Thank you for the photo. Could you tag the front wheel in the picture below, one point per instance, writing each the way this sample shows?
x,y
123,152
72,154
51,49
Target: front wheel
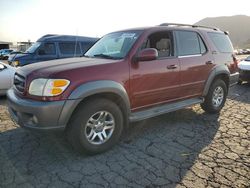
x,y
96,126
216,97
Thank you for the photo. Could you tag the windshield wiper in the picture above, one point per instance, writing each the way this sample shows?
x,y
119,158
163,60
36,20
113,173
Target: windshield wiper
x,y
105,56
83,55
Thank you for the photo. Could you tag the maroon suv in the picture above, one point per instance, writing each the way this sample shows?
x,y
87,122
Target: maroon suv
x,y
126,76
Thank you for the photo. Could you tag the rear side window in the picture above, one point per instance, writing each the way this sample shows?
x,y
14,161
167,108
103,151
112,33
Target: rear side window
x,y
189,43
221,42
69,48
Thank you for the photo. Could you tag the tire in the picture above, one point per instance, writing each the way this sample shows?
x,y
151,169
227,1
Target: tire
x,y
216,97
240,81
93,118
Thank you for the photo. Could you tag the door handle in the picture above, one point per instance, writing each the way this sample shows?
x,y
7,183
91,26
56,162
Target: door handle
x,y
172,66
209,62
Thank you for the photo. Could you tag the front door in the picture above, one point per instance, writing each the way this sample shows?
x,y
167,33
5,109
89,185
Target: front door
x,y
157,81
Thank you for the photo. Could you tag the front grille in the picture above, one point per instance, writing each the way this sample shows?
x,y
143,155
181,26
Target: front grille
x,y
19,82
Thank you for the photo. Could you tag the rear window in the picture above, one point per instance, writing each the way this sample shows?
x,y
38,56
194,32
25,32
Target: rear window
x,y
69,48
221,42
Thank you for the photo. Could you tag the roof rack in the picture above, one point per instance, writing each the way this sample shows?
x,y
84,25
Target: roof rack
x,y
189,25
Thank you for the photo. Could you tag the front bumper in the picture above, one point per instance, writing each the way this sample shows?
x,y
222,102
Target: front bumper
x,y
244,75
37,114
234,78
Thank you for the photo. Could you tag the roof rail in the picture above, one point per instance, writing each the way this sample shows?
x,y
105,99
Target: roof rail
x,y
189,25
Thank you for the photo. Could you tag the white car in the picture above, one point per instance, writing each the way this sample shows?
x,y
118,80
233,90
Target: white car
x,y
7,73
244,70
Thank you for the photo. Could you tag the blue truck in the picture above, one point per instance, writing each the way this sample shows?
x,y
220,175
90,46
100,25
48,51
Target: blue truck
x,y
51,47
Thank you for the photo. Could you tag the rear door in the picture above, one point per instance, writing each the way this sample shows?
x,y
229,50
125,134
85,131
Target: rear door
x,y
195,62
157,81
69,49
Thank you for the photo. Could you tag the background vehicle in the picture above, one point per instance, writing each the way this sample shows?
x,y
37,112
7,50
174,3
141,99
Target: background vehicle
x,y
244,70
51,47
4,53
126,76
6,77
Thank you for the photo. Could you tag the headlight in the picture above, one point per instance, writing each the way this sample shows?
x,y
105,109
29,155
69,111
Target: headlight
x,y
48,87
15,63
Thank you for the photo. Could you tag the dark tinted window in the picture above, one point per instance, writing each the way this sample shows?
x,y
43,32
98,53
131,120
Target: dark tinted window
x,y
189,43
86,46
221,42
69,48
47,49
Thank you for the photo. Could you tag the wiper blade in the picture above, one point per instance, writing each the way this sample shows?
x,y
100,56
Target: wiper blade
x,y
84,55
105,56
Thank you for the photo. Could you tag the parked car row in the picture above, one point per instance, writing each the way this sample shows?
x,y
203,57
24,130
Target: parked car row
x,y
4,53
242,51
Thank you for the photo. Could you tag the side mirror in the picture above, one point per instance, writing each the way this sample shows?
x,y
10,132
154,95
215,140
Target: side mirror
x,y
147,54
2,67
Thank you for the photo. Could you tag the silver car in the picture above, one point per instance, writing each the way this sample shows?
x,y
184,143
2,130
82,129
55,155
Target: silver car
x,y
6,77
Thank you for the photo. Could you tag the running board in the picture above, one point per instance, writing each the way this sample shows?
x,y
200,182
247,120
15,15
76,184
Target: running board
x,y
156,111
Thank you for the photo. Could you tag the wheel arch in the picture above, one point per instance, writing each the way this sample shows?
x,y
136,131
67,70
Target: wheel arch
x,y
219,72
110,90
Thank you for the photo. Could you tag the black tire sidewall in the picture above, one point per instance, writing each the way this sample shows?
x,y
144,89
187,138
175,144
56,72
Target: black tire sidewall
x,y
80,118
208,104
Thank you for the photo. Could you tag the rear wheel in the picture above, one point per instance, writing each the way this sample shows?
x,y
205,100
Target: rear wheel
x,y
96,126
216,97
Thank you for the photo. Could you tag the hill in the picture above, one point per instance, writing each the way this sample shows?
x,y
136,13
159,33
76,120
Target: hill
x,y
238,27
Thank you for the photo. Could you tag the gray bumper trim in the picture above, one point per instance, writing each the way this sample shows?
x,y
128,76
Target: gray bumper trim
x,y
234,78
35,114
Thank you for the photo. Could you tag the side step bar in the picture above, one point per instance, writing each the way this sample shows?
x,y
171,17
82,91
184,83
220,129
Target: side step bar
x,y
162,109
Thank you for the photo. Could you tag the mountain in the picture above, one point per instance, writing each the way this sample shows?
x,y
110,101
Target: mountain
x,y
238,27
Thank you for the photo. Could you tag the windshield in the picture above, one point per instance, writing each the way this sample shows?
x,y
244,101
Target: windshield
x,y
113,45
33,48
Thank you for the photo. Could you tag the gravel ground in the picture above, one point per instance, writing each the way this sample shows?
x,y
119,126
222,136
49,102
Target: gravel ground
x,y
187,148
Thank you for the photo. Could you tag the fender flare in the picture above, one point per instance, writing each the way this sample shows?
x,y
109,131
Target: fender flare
x,y
89,89
217,70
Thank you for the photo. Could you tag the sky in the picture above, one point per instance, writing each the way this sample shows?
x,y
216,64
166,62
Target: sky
x,y
23,20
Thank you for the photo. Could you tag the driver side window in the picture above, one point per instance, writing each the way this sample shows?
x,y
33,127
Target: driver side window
x,y
162,42
47,49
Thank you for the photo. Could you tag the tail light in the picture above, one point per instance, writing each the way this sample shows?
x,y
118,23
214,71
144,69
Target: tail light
x,y
234,64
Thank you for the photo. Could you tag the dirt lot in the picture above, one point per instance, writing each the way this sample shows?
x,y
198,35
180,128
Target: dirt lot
x,y
187,148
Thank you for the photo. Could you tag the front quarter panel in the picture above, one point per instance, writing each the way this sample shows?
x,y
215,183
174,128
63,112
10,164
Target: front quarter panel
x,y
90,89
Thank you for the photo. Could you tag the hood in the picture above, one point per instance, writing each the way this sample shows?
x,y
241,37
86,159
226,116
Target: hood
x,y
19,56
46,68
